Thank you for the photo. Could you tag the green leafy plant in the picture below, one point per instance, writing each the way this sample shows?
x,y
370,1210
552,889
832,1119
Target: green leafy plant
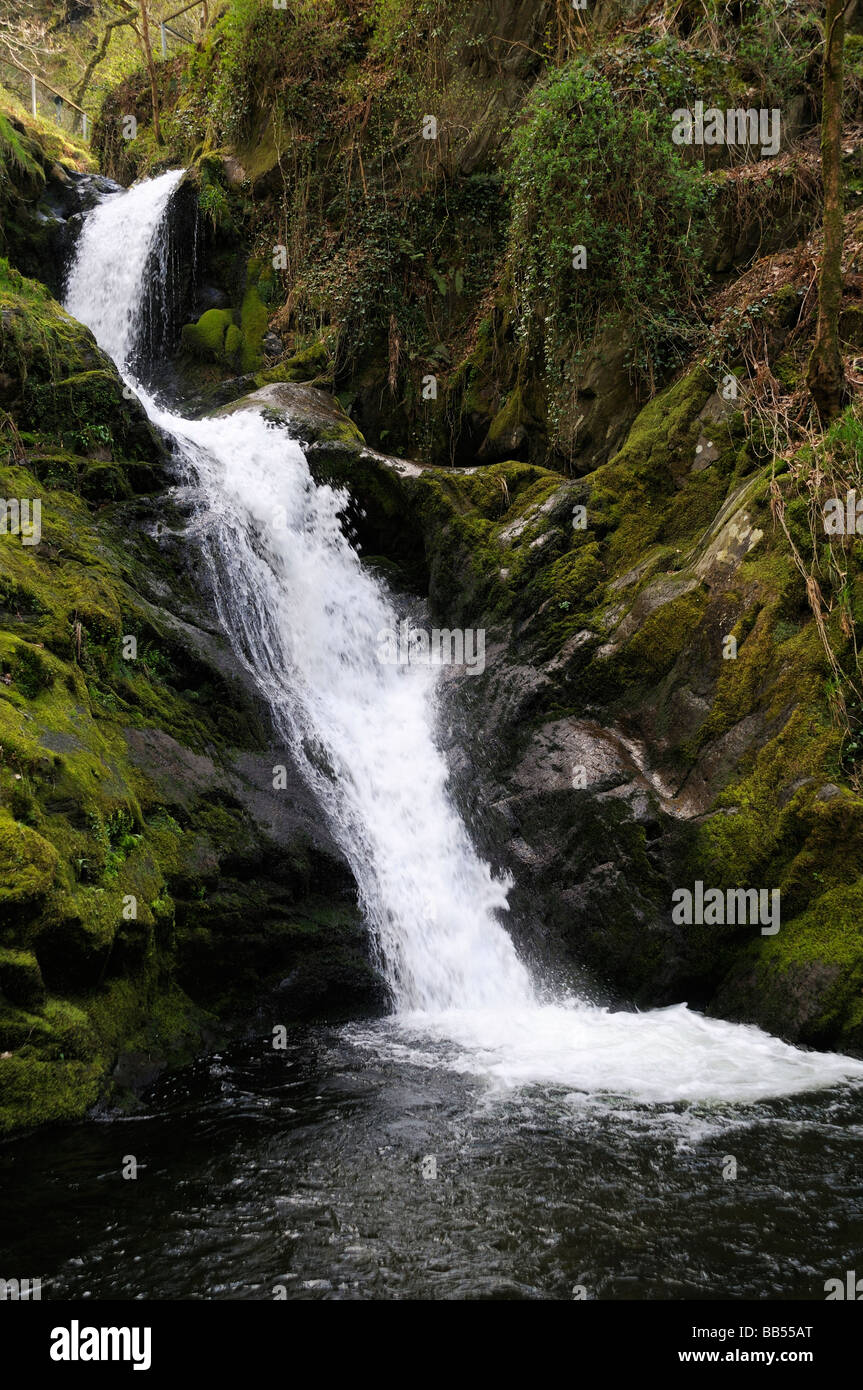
x,y
596,170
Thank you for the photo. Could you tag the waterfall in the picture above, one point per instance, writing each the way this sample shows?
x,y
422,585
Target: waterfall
x,y
304,616
107,286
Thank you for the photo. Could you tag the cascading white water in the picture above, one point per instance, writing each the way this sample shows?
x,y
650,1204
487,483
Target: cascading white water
x,y
304,616
107,281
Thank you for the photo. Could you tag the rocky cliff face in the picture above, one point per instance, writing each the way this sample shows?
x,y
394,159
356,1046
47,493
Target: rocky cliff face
x,y
153,883
615,755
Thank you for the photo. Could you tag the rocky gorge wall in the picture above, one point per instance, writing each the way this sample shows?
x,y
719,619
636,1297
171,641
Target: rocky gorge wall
x,y
588,489
153,884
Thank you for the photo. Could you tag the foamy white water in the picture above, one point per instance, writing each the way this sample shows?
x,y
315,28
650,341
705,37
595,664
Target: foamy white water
x,y
304,616
106,283
662,1055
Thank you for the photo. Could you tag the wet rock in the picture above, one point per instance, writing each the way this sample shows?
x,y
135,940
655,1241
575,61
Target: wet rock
x,y
209,297
310,414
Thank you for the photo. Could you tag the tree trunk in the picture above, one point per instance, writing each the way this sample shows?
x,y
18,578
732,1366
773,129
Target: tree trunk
x,y
825,374
151,68
100,54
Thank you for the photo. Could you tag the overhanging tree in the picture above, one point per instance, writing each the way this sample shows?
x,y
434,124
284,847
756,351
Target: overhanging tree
x,y
128,17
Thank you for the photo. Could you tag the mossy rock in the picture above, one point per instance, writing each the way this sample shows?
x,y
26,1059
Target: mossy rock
x,y
34,154
35,1092
233,341
56,380
21,979
309,364
806,982
521,416
206,339
218,338
28,866
253,326
307,412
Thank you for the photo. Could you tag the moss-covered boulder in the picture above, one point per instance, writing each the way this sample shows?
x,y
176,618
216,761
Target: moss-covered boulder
x,y
207,339
21,979
28,866
56,381
44,177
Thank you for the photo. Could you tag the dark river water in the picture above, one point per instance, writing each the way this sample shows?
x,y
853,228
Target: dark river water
x,y
328,1171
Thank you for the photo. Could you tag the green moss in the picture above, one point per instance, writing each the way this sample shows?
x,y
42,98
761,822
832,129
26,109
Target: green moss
x,y
253,326
343,431
54,379
808,978
49,143
61,1058
205,339
34,1092
566,586
30,671
233,341
514,415
260,157
28,865
660,639
21,979
637,491
216,337
307,365
740,687
29,149
20,159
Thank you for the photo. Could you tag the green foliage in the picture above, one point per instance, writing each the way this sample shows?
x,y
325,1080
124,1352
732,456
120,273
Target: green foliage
x,y
215,205
262,49
592,169
397,25
19,162
89,436
771,42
